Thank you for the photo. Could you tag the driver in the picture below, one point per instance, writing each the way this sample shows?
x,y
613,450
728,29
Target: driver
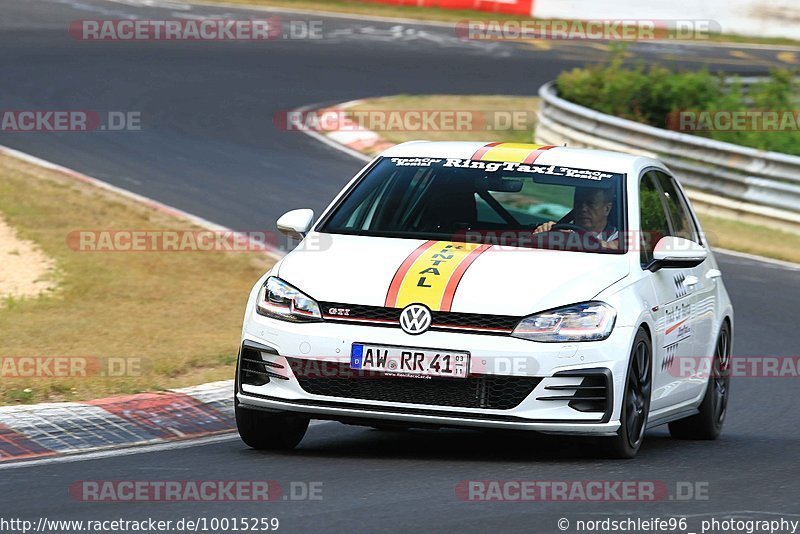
x,y
591,206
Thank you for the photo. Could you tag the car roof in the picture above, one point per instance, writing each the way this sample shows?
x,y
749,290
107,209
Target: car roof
x,y
582,158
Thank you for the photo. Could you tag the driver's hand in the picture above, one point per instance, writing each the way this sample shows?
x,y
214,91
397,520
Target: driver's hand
x,y
545,227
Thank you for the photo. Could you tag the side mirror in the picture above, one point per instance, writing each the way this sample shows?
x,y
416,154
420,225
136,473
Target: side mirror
x,y
296,223
676,252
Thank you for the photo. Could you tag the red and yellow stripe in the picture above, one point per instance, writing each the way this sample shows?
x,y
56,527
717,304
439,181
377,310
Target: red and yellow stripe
x,y
511,152
430,275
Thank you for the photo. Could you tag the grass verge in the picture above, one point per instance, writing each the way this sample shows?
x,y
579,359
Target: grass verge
x,y
433,14
722,233
171,319
751,238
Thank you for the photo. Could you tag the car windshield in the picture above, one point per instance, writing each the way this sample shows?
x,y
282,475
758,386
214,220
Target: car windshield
x,y
499,203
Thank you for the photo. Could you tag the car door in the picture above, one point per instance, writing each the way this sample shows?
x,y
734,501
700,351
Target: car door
x,y
673,338
702,283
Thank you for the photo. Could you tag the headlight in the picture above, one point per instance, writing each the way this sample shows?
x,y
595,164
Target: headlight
x,y
280,300
589,321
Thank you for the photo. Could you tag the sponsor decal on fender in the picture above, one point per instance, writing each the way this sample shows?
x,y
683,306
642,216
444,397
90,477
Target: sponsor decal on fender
x,y
430,275
677,329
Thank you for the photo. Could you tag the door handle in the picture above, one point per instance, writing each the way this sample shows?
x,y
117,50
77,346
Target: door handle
x,y
713,274
690,281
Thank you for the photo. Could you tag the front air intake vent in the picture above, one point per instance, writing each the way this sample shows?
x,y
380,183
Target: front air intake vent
x,y
594,394
255,367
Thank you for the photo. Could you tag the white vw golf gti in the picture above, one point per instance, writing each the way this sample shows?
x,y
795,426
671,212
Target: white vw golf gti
x,y
502,286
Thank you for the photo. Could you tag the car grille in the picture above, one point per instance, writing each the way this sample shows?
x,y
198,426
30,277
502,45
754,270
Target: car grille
x,y
486,391
443,321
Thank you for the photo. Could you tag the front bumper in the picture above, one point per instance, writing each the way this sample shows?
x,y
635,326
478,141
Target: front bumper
x,y
366,416
553,373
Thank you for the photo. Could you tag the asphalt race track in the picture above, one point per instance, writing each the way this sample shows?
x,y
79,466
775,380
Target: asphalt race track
x,y
208,146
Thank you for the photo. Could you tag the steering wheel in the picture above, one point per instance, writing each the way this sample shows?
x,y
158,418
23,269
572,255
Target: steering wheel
x,y
567,226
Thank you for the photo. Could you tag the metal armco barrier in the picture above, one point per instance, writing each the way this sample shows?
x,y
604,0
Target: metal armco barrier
x,y
724,175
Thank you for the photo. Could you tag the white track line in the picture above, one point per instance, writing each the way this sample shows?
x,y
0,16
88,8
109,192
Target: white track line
x,y
123,451
147,201
324,139
762,259
133,449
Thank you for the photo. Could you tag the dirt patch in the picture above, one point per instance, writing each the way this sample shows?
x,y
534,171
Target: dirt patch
x,y
25,271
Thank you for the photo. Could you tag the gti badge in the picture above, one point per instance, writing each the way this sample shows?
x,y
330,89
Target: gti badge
x,y
415,319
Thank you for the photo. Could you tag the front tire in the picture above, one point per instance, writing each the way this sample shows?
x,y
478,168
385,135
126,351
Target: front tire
x,y
270,431
708,423
635,401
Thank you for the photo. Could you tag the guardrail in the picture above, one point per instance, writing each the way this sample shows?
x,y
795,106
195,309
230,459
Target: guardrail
x,y
763,185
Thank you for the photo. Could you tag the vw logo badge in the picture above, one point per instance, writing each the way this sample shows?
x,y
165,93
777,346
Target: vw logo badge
x,y
415,319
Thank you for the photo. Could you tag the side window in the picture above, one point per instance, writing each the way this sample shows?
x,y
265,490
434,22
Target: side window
x,y
653,219
682,224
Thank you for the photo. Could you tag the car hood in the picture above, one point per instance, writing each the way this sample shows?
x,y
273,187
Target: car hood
x,y
378,271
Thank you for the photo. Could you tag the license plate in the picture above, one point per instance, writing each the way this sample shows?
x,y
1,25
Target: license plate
x,y
409,361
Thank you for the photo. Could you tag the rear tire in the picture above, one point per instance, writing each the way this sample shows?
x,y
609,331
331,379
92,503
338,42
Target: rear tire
x,y
270,431
635,401
708,423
